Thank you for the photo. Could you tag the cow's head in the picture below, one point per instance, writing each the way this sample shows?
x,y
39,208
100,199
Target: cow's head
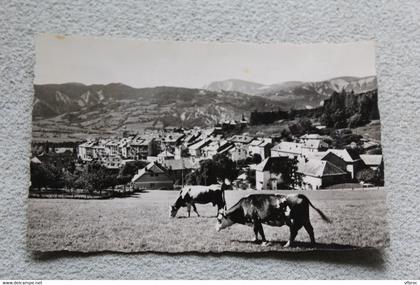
x,y
223,221
172,211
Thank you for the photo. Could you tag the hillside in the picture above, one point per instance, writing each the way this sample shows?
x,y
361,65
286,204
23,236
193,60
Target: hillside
x,y
75,108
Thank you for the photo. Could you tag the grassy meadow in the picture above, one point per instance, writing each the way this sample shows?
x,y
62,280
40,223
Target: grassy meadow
x,y
142,223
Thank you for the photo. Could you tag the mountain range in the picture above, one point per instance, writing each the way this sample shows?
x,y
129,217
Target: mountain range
x,y
298,94
78,108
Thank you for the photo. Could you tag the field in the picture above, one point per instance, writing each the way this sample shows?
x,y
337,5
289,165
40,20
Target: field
x,y
142,223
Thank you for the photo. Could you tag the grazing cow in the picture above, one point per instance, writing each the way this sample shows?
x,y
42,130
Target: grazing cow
x,y
190,195
273,210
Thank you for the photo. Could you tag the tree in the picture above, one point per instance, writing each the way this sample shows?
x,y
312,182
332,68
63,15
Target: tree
x,y
45,175
355,121
254,159
326,119
305,124
95,177
152,148
193,178
68,179
207,172
301,127
291,177
339,118
130,168
211,170
289,172
225,168
369,176
285,135
340,141
39,176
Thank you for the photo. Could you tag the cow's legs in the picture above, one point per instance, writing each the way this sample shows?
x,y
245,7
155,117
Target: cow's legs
x,y
310,230
256,229
261,231
195,209
189,209
293,233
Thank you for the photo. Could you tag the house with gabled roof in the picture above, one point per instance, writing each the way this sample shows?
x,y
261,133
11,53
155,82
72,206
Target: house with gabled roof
x,y
179,168
352,159
313,145
85,151
287,149
153,176
317,174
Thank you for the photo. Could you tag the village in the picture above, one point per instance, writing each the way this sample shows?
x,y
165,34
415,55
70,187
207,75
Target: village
x,y
170,158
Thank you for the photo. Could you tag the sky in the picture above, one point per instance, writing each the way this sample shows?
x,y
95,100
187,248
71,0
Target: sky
x,y
138,63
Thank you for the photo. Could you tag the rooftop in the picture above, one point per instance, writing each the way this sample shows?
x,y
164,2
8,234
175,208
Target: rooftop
x,y
372,159
267,164
348,155
289,147
319,168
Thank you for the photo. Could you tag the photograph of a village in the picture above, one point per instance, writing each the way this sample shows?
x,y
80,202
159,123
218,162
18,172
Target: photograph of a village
x,y
201,147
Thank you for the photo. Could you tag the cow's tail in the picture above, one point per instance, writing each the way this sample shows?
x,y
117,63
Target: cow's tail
x,y
323,216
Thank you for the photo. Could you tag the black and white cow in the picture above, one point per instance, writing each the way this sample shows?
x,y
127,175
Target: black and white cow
x,y
273,210
196,194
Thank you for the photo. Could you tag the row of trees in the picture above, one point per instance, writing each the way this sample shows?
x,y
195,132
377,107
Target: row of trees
x,y
257,118
90,177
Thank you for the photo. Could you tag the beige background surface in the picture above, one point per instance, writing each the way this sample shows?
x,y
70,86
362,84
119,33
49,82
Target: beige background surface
x,y
394,24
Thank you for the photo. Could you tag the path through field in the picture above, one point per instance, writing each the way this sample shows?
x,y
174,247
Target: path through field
x,y
142,223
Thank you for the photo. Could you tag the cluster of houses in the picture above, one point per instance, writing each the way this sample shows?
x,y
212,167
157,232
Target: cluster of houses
x,y
319,165
174,153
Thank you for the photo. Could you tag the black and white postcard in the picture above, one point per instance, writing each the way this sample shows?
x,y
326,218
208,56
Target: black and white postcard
x,y
160,146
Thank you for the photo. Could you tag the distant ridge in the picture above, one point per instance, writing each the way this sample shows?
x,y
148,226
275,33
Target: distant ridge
x,y
237,85
298,93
